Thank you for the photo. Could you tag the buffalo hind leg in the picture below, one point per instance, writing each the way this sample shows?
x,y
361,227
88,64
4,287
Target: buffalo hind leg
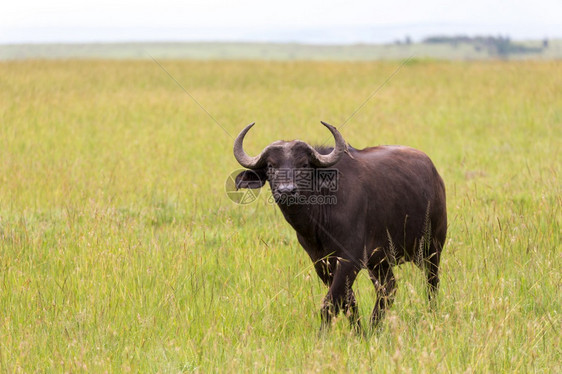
x,y
385,284
341,296
432,271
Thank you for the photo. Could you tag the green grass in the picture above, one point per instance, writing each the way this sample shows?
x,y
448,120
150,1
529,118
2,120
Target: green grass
x,y
119,249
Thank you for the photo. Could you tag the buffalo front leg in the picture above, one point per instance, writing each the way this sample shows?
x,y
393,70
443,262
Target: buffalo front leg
x,y
352,312
340,295
385,284
325,270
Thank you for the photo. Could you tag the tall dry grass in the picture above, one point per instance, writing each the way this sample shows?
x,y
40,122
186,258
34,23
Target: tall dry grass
x,y
119,249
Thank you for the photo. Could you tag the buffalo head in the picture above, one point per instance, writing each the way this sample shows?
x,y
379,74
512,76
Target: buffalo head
x,y
281,162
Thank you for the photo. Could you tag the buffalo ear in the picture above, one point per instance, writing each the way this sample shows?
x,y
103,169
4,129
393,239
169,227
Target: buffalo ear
x,y
250,179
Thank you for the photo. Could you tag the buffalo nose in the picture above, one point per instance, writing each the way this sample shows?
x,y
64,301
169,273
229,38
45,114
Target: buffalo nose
x,y
287,189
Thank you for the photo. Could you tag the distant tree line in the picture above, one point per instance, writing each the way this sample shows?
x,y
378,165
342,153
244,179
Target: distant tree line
x,y
501,46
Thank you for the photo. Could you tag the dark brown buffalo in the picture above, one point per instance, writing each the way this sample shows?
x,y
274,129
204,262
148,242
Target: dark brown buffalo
x,y
381,206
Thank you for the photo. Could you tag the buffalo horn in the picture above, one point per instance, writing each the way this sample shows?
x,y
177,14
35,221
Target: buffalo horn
x,y
241,156
334,156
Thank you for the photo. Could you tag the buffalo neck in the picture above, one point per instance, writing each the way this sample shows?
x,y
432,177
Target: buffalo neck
x,y
304,218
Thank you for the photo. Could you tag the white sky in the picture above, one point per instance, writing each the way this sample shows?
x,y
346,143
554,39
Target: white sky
x,y
289,20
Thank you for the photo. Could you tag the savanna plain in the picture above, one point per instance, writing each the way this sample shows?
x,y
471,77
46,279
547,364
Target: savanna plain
x,y
120,250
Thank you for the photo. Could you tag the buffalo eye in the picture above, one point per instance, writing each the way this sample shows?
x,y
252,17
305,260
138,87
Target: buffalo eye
x,y
302,164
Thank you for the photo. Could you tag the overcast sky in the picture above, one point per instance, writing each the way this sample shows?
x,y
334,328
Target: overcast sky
x,y
316,21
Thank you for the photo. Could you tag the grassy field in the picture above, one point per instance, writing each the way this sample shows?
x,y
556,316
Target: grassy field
x,y
120,251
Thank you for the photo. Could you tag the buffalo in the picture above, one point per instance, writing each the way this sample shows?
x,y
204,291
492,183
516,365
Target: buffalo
x,y
354,209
